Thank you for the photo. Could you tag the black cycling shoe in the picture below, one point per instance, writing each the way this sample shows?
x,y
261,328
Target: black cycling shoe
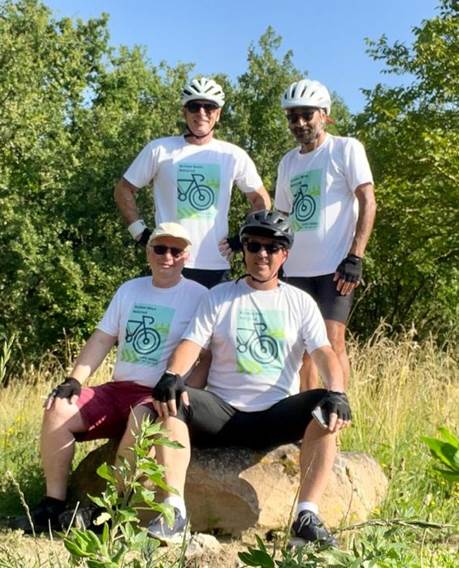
x,y
44,517
309,528
84,518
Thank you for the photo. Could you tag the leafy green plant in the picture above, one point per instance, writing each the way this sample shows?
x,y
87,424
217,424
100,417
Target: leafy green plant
x,y
122,541
445,449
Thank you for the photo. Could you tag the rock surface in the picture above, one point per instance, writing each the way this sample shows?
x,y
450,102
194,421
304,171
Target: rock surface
x,y
232,490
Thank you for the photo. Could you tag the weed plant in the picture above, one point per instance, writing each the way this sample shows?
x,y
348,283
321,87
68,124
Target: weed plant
x,y
400,391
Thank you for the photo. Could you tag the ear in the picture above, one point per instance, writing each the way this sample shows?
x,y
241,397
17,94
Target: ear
x,y
219,112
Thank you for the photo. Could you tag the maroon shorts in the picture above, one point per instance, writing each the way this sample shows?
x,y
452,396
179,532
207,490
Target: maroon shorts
x,y
105,409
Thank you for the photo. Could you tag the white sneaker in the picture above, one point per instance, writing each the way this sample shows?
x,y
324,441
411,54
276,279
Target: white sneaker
x,y
178,533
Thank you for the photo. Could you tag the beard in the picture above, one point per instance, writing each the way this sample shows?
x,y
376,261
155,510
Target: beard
x,y
308,135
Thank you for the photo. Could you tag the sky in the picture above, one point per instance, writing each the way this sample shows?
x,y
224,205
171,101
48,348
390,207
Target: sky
x,y
327,38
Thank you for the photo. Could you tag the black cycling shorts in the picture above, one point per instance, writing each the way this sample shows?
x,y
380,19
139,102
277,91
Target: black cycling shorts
x,y
208,278
214,423
332,305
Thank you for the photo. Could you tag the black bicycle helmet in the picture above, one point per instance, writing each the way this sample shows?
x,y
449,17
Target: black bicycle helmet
x,y
268,224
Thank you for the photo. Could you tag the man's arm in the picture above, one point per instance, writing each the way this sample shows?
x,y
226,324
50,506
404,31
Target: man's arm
x,y
125,199
365,195
329,368
259,199
169,388
334,405
367,211
198,376
91,356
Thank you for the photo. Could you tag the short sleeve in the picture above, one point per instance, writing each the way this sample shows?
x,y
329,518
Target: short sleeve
x,y
283,196
143,168
247,178
357,168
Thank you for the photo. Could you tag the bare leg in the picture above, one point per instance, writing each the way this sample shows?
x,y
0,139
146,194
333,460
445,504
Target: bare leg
x,y
318,451
57,445
336,334
175,460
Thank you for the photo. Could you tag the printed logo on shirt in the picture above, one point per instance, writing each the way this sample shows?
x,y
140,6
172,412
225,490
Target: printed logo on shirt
x,y
198,186
259,341
305,188
146,332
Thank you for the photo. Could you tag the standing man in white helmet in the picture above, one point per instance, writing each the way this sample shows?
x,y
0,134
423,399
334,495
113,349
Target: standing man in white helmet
x,y
192,177
326,186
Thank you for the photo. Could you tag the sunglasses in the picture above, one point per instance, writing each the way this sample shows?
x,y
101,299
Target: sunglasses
x,y
163,249
196,107
307,115
271,248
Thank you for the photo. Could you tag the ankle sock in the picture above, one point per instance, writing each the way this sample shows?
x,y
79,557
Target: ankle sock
x,y
307,506
177,502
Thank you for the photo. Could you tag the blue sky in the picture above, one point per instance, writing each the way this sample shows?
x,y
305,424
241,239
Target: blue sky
x,y
327,37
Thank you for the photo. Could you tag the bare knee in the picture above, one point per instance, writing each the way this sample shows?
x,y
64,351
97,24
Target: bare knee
x,y
61,412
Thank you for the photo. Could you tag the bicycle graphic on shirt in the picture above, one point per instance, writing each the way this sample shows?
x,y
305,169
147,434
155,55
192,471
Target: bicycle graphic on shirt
x,y
304,206
144,339
262,347
200,196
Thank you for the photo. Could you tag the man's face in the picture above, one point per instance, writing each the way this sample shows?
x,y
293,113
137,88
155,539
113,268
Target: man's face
x,y
306,123
201,116
263,262
166,257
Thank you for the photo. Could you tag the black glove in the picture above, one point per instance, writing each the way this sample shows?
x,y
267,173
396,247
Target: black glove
x,y
144,237
70,387
169,387
350,268
235,243
337,403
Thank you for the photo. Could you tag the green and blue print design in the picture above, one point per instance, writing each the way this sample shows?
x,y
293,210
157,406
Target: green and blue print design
x,y
259,342
306,192
147,329
198,186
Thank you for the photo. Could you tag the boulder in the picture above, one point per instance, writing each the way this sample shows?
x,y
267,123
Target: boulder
x,y
232,490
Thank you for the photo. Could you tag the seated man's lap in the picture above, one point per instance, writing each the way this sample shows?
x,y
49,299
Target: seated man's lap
x,y
214,423
105,408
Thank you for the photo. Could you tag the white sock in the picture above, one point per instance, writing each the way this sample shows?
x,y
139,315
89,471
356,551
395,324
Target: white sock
x,y
177,502
307,506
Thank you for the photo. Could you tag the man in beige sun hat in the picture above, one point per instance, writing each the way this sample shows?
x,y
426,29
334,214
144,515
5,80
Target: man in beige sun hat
x,y
146,318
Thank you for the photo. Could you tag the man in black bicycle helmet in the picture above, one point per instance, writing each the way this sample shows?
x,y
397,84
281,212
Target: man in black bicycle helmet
x,y
257,329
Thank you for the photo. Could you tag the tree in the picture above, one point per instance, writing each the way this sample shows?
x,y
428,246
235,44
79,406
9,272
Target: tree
x,y
412,137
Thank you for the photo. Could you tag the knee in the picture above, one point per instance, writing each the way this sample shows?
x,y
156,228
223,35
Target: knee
x,y
61,411
337,339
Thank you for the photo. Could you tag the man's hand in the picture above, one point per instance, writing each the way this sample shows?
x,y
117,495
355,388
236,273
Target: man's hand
x,y
229,246
69,389
145,235
169,392
348,274
336,410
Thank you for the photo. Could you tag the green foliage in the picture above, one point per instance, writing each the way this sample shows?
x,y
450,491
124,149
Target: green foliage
x,y
122,542
445,449
412,137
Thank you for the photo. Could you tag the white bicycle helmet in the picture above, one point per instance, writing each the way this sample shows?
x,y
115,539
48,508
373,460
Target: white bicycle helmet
x,y
307,93
203,89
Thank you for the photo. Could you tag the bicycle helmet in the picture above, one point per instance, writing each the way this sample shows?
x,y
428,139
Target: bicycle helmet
x,y
203,89
307,93
268,224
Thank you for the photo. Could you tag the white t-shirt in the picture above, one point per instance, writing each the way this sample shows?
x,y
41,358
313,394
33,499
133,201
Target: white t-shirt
x,y
317,189
192,185
148,322
257,340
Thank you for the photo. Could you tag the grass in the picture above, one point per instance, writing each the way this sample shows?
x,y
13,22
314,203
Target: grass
x,y
400,390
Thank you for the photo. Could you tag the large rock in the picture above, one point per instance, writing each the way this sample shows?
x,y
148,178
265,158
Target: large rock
x,y
235,489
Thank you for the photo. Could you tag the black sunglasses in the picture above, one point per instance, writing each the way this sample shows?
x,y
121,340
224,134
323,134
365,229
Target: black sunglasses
x,y
162,249
307,115
271,248
196,107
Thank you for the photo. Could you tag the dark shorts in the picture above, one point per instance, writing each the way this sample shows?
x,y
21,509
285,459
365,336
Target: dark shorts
x,y
332,305
214,423
105,409
208,278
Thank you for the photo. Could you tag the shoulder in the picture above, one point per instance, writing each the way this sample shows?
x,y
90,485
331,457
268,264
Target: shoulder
x,y
290,155
192,287
229,148
296,294
344,142
133,285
